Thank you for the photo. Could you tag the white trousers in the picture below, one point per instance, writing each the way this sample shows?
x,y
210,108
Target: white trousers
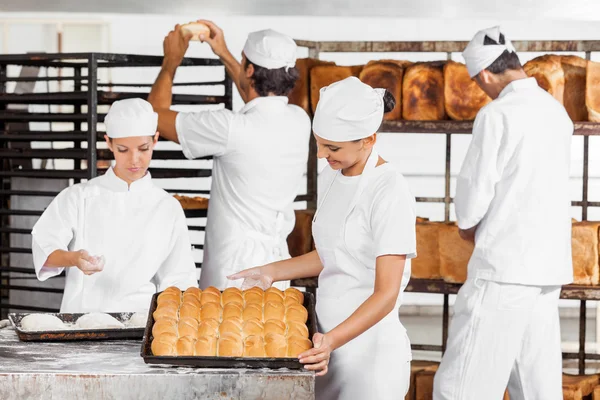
x,y
502,335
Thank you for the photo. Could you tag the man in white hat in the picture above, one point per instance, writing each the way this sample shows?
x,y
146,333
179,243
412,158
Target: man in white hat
x,y
512,200
119,237
260,153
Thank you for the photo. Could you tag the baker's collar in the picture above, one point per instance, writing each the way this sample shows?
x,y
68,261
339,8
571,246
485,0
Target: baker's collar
x,y
264,100
519,84
114,183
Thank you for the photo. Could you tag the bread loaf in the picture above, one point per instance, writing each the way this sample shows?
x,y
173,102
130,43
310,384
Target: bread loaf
x,y
232,310
463,97
548,72
276,345
574,98
592,91
454,254
300,95
325,75
423,92
300,240
584,246
424,383
230,345
417,366
254,346
274,310
578,386
206,346
192,203
297,345
427,263
296,312
195,29
385,75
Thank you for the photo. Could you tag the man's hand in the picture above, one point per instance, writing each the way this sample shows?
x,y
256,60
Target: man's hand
x,y
216,39
175,45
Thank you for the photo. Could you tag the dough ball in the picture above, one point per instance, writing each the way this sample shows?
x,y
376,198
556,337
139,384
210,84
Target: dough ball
x,y
98,320
138,320
42,322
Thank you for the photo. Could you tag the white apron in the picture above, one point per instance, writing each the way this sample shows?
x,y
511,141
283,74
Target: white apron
x,y
376,364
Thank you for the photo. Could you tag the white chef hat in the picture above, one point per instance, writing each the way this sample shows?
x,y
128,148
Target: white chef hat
x,y
131,117
479,56
271,50
348,110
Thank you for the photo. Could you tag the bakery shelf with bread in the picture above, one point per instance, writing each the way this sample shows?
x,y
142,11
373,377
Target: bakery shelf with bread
x,y
207,325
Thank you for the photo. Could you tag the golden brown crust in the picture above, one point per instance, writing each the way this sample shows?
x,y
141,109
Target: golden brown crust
x,y
584,245
192,203
547,71
298,345
592,91
276,345
427,264
463,97
385,75
423,92
254,346
325,75
574,99
454,254
300,95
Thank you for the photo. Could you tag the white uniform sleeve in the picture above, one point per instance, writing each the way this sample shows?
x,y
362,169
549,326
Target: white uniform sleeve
x,y
393,220
480,172
178,269
54,231
204,133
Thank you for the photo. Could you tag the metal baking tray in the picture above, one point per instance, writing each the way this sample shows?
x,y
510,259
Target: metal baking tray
x,y
226,362
76,334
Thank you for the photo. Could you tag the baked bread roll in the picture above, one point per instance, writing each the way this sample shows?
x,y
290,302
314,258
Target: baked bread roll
x,y
252,296
232,297
293,293
192,203
427,265
296,312
233,290
385,75
274,310
210,297
164,345
273,297
189,310
463,97
196,29
173,289
253,327
423,92
548,72
232,310
295,328
188,326
253,311
186,346
212,289
206,346
297,345
211,311
254,346
166,312
454,254
191,300
276,345
230,345
166,297
275,326
584,245
325,75
231,325
574,98
194,292
162,326
208,327
592,91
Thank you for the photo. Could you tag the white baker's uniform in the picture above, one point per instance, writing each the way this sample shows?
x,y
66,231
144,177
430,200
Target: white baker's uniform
x,y
260,157
359,219
139,229
514,185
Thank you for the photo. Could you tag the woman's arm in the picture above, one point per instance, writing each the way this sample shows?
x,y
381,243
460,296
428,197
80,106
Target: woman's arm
x,y
388,278
304,266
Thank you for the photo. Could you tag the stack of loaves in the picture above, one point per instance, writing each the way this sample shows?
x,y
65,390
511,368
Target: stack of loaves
x,y
235,323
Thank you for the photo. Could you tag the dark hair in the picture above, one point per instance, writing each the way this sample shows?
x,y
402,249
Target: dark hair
x,y
389,102
506,61
276,81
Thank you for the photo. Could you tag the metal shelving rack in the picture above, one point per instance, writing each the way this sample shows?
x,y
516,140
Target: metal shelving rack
x,y
450,128
88,92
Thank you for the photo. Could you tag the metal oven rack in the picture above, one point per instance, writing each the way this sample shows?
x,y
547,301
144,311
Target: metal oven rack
x,y
449,128
76,140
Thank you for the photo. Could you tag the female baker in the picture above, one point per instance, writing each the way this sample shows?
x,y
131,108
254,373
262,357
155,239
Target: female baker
x,y
364,232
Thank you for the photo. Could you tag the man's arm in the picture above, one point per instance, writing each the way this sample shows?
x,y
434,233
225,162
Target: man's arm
x,y
174,46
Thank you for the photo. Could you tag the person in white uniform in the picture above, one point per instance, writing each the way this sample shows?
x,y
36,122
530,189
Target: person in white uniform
x,y
260,153
119,237
364,232
512,200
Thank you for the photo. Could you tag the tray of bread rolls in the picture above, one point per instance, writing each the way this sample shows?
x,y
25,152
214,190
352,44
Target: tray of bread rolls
x,y
208,328
47,327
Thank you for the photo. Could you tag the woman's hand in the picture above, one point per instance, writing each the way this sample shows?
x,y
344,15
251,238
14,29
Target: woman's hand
x,y
257,276
317,358
86,263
